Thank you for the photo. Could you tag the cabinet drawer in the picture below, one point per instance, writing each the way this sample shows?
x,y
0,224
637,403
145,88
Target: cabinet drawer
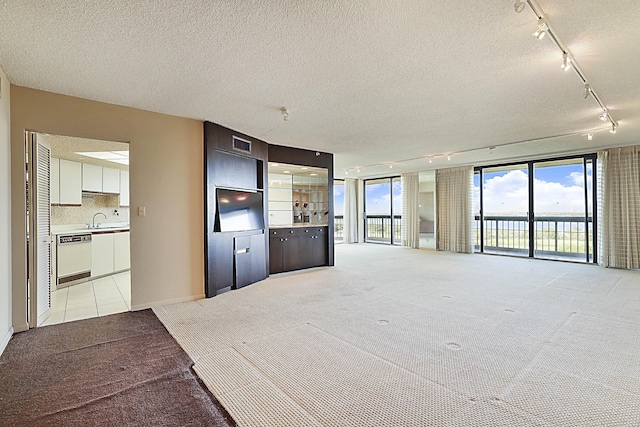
x,y
280,232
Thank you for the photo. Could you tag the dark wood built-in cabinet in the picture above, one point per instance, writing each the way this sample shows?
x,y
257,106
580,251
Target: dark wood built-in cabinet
x,y
233,259
234,161
297,248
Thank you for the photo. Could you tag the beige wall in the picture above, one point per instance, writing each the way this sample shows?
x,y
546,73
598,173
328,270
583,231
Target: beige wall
x,y
166,176
5,216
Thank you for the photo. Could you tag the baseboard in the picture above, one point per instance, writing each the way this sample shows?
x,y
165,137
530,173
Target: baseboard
x,y
166,302
5,341
20,328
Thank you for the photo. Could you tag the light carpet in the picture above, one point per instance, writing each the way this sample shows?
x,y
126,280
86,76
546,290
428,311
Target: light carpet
x,y
403,337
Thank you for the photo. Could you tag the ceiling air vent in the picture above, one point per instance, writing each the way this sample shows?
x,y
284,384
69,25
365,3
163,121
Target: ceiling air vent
x,y
241,144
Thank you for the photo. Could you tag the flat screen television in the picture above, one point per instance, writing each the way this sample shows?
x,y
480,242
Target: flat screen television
x,y
239,210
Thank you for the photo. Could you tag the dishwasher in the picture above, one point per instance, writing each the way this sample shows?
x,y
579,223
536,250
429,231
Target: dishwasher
x,y
73,258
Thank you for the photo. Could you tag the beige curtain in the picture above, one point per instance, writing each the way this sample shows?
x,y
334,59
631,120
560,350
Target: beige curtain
x,y
350,211
621,207
454,231
410,214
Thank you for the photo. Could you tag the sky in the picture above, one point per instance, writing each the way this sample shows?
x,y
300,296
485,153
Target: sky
x,y
557,190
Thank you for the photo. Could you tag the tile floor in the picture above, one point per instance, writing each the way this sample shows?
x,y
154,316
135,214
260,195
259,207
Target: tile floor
x,y
100,297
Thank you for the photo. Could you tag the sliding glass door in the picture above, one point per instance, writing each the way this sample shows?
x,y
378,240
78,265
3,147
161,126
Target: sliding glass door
x,y
541,209
563,206
383,210
506,206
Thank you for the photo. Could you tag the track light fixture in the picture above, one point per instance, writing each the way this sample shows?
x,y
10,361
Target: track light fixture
x,y
285,113
614,128
448,156
566,61
430,160
359,169
590,136
519,6
542,29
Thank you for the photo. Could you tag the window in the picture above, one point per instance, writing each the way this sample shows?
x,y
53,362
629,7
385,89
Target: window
x,y
338,210
383,210
541,209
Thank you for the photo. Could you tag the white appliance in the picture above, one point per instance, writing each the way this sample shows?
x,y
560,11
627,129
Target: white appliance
x,y
73,257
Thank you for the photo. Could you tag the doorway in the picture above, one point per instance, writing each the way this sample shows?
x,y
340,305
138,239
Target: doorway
x,y
88,213
542,209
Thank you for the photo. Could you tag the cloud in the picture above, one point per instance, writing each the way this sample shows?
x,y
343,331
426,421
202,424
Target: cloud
x,y
508,194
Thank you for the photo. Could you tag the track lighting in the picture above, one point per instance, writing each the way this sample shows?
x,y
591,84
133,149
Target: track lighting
x,y
346,172
566,61
604,116
359,169
589,136
542,29
285,113
430,160
448,156
519,6
587,90
390,166
614,128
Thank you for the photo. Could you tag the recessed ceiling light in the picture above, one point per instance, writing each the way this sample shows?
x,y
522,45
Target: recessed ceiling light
x,y
121,157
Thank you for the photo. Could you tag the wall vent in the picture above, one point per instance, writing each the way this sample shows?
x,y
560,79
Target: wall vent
x,y
241,144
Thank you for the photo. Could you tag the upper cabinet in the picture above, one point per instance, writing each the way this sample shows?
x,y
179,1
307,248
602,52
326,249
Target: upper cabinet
x,y
70,182
54,181
99,179
110,180
91,178
124,188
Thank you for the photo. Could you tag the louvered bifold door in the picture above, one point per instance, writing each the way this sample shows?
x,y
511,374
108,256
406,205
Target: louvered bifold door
x,y
42,227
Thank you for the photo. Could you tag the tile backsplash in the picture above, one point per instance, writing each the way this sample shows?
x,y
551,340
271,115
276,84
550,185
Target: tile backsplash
x,y
91,204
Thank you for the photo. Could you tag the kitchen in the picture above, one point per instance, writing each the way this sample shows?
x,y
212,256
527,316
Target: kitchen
x,y
90,256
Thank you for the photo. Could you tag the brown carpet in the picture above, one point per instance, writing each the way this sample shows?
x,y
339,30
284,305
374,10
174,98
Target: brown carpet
x,y
117,370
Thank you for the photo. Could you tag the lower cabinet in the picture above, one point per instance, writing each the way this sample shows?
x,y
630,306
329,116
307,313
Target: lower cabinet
x,y
121,251
297,248
109,253
102,254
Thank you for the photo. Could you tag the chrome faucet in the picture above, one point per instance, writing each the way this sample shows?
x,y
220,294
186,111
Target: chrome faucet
x,y
93,224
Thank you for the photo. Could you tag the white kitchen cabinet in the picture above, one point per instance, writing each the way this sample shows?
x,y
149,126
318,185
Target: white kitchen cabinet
x,y
121,252
54,181
110,180
124,188
70,183
91,178
102,254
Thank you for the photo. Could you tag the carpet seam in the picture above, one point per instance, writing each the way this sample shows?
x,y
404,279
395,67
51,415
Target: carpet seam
x,y
388,361
270,379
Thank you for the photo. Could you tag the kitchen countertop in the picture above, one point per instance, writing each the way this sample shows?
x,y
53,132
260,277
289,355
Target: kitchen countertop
x,y
82,228
298,224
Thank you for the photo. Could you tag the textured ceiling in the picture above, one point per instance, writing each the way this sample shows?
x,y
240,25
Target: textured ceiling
x,y
374,82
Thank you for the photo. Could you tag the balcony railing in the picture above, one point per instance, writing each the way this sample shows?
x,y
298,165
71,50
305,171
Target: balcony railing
x,y
338,228
560,237
379,228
